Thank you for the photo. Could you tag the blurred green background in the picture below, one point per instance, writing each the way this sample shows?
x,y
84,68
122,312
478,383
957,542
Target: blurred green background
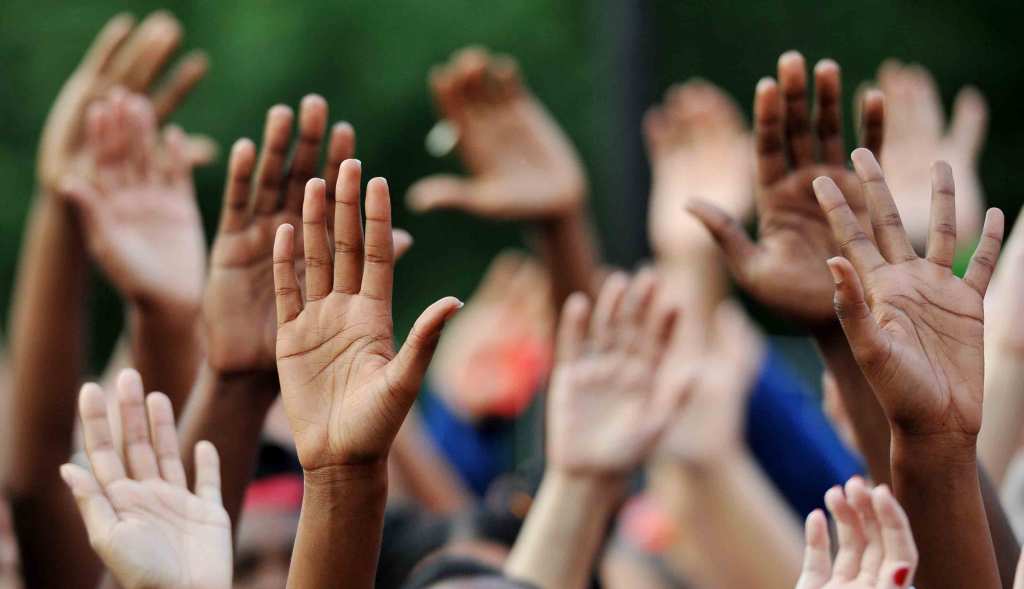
x,y
595,63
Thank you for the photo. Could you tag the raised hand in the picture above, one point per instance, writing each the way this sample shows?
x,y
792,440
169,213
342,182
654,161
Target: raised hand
x,y
914,327
699,146
876,546
607,408
122,55
133,191
785,269
520,163
916,135
148,528
345,390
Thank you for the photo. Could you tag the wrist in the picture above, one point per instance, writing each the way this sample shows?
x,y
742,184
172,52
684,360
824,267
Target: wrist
x,y
945,450
365,483
590,488
172,319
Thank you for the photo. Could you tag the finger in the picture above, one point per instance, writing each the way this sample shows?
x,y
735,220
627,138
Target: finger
x,y
165,439
817,565
104,458
202,150
885,217
142,135
659,331
828,112
872,121
410,363
849,534
792,73
727,233
176,165
768,132
340,147
319,265
983,262
146,52
439,192
207,473
348,229
234,213
859,497
443,88
607,309
378,251
402,242
96,511
942,220
107,43
970,121
852,241
636,303
286,285
572,327
277,133
179,84
312,125
138,448
867,340
897,539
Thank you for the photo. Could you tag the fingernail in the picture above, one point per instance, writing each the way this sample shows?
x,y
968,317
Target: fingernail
x,y
833,268
900,576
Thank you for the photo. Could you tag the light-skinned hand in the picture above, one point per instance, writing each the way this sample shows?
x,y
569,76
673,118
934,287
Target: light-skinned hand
x,y
148,528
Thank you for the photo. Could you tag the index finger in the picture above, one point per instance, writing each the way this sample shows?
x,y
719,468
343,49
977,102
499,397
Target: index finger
x,y
851,238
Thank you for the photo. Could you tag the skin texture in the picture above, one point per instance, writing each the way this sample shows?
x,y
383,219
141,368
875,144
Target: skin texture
x,y
345,389
876,546
608,406
916,331
521,165
145,524
916,134
44,325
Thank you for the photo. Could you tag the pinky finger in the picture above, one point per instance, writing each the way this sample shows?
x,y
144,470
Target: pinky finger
x,y
286,284
983,262
189,71
207,472
94,507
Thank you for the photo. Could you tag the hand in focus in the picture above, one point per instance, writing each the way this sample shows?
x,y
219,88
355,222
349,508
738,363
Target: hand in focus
x,y
876,546
915,329
137,203
520,164
916,135
606,411
148,528
786,268
497,351
345,390
699,146
122,55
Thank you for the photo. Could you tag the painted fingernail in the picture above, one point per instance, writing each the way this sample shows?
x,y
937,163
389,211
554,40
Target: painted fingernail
x,y
900,576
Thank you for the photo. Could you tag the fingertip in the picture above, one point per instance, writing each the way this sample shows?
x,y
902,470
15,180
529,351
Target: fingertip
x,y
129,384
765,84
791,59
826,66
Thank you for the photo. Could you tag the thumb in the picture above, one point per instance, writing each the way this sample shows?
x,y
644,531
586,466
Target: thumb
x,y
406,370
867,340
970,120
443,191
727,232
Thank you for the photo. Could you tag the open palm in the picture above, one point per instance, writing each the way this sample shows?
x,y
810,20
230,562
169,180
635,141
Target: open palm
x,y
148,528
916,330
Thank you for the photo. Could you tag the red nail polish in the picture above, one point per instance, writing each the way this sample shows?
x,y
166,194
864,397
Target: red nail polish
x,y
900,576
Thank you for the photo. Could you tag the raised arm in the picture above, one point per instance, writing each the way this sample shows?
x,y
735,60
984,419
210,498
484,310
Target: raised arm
x,y
606,412
521,165
916,331
345,389
47,312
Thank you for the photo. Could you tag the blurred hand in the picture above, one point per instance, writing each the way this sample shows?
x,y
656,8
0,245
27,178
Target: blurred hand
x,y
785,270
1004,306
496,352
699,146
141,518
122,55
606,411
345,390
138,206
876,546
710,426
520,163
915,329
916,135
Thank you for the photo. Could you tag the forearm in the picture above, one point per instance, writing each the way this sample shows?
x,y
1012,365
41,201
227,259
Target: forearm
x,y
569,249
47,525
729,513
1003,537
426,475
340,527
229,411
166,350
564,530
870,425
1003,410
936,481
